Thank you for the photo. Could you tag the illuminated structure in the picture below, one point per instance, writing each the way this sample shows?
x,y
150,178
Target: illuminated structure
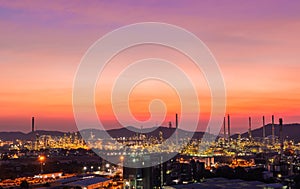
x,y
143,177
42,160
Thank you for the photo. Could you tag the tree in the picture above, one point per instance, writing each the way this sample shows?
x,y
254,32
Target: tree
x,y
47,184
24,184
297,181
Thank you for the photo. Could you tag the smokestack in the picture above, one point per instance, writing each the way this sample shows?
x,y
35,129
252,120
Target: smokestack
x,y
264,129
280,136
228,124
32,124
176,121
273,130
224,125
249,132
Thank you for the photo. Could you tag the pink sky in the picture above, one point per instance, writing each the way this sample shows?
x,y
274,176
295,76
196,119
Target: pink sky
x,y
256,44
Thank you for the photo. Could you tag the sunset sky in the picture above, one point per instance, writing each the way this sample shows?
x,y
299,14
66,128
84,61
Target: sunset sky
x,y
256,44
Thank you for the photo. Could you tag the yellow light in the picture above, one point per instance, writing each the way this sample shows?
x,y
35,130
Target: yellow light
x,y
42,158
279,175
121,158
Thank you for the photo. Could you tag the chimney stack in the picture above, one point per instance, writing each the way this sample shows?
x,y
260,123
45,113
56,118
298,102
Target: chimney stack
x,y
32,124
249,132
224,125
176,121
281,135
228,124
273,131
264,129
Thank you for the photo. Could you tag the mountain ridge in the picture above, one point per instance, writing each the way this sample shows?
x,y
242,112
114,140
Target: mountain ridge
x,y
290,131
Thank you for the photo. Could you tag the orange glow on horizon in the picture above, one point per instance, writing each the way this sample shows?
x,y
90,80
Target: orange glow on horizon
x,y
256,45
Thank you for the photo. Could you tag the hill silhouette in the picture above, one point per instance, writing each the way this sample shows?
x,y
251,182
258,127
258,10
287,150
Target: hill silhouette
x,y
12,136
114,133
290,131
148,132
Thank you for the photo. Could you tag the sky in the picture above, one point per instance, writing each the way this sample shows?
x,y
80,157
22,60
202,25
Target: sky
x,y
256,44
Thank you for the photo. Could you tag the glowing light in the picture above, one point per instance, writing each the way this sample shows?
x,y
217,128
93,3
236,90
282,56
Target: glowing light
x,y
42,158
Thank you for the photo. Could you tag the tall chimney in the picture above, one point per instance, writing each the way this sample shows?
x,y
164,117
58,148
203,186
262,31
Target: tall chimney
x,y
32,124
228,124
280,136
224,124
176,121
273,130
249,131
264,129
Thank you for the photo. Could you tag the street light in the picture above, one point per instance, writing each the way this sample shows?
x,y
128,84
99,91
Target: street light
x,y
42,160
122,163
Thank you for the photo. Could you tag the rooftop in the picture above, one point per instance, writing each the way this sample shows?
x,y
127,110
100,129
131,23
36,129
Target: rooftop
x,y
220,183
88,181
